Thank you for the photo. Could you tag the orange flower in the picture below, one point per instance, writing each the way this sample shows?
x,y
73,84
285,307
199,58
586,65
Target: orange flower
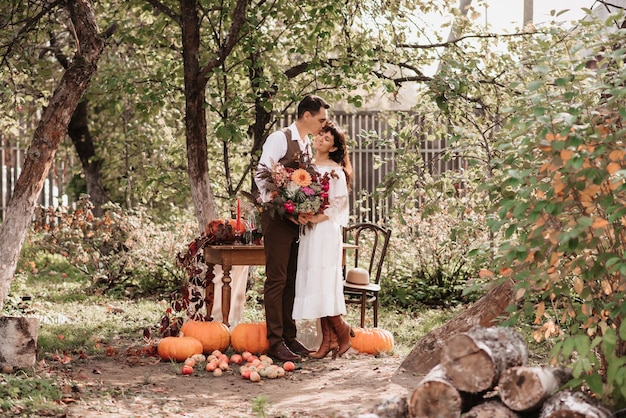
x,y
301,177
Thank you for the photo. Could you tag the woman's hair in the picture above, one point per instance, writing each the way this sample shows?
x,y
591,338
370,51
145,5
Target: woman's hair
x,y
340,155
311,103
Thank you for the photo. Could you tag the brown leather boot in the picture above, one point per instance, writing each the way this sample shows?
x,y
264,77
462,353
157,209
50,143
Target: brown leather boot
x,y
325,346
342,329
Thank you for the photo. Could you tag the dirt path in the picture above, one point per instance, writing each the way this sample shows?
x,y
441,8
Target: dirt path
x,y
138,386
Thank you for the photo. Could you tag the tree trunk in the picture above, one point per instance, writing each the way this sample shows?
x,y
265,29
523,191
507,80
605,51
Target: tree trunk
x,y
567,404
196,78
525,388
435,397
78,131
475,360
49,133
491,409
485,312
195,117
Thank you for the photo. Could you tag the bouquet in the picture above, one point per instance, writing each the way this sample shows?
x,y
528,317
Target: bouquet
x,y
295,190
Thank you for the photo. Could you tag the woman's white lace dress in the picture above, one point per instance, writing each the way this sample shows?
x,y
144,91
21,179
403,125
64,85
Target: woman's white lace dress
x,y
319,286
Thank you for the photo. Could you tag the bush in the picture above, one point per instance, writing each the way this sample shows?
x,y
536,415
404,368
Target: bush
x,y
121,252
436,253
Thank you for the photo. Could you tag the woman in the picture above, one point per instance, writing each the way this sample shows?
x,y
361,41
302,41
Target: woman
x,y
319,279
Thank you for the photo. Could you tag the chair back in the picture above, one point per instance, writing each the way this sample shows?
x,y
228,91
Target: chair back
x,y
372,242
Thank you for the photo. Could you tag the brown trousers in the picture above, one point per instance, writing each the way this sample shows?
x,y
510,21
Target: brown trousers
x,y
280,238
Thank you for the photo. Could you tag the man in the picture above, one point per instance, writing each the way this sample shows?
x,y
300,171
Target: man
x,y
280,235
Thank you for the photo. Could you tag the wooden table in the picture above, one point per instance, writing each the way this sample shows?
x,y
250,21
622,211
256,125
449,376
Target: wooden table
x,y
234,255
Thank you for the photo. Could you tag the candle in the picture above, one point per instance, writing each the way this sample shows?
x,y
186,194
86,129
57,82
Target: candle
x,y
238,214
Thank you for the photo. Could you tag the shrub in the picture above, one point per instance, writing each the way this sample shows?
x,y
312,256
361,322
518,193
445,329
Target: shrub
x,y
436,252
121,252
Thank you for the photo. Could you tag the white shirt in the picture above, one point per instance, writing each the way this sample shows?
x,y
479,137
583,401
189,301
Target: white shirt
x,y
275,148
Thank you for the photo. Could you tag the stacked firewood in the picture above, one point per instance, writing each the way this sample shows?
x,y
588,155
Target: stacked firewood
x,y
483,373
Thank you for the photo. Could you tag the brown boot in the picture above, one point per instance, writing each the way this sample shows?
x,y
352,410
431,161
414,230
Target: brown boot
x,y
343,333
325,346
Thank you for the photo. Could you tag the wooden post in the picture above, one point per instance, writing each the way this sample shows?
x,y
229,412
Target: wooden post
x,y
18,342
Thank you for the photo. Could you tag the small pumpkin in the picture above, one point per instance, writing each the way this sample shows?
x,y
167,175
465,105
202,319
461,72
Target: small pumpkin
x,y
178,348
212,335
251,337
372,340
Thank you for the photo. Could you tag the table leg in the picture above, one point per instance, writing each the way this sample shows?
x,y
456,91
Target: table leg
x,y
209,291
226,294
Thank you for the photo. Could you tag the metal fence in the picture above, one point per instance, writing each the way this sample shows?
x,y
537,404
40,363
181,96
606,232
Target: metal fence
x,y
11,163
372,159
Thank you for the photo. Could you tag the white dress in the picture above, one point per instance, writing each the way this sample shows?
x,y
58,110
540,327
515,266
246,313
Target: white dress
x,y
319,280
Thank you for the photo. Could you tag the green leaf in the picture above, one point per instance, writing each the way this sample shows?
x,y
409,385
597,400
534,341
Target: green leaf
x,y
535,85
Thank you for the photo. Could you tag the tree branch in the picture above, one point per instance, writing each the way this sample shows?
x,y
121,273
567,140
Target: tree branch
x,y
462,38
239,19
166,10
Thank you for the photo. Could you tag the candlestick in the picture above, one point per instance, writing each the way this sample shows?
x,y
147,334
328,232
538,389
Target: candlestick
x,y
238,214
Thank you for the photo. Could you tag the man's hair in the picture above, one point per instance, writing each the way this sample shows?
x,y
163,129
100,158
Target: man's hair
x,y
311,103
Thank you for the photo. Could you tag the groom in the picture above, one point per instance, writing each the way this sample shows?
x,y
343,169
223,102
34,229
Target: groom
x,y
280,235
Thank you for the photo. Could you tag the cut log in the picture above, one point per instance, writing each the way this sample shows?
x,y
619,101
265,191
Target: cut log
x,y
569,404
435,397
18,342
392,407
491,409
525,388
474,360
484,312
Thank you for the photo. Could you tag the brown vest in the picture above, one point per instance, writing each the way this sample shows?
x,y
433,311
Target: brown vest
x,y
291,157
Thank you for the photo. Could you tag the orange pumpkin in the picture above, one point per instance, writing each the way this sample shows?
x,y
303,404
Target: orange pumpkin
x,y
212,335
178,348
372,340
250,337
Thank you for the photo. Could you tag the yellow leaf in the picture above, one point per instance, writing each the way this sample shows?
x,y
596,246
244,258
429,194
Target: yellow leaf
x,y
520,293
484,274
606,287
585,309
600,223
566,155
578,285
616,155
613,168
557,184
614,184
539,311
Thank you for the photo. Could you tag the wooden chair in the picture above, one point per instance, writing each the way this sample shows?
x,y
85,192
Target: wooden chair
x,y
363,268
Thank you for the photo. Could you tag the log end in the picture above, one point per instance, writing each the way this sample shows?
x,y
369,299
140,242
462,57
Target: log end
x,y
18,341
472,373
435,399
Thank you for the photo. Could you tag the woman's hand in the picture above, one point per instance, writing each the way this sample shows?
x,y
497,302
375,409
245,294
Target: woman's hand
x,y
317,218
